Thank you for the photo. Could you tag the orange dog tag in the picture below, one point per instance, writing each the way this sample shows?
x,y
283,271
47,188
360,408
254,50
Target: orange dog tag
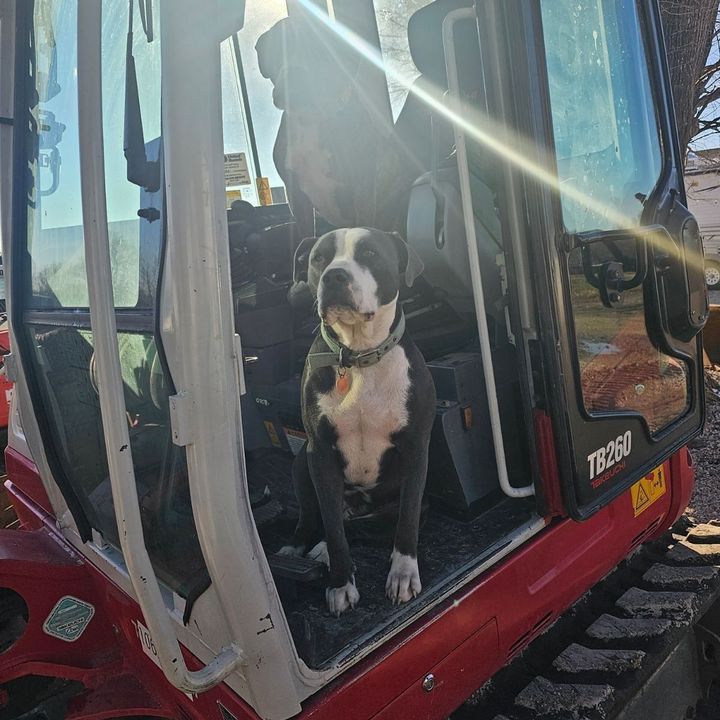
x,y
343,383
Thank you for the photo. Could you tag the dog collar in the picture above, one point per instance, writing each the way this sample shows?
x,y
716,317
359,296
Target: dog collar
x,y
341,356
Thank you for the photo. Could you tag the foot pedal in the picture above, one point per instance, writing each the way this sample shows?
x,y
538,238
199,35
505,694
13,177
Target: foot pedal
x,y
298,569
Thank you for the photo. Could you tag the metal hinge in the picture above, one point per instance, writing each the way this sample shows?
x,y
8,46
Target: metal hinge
x,y
181,408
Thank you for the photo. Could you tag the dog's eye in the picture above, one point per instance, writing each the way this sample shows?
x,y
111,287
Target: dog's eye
x,y
368,254
318,259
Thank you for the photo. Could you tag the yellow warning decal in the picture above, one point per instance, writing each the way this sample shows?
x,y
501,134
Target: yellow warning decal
x,y
272,433
264,192
231,196
647,490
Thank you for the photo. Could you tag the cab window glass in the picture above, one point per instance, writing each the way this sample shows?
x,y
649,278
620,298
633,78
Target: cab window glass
x,y
620,369
62,350
72,406
609,158
606,135
134,240
55,237
392,21
249,137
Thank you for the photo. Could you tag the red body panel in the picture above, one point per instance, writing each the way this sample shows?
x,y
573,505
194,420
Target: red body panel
x,y
463,642
24,480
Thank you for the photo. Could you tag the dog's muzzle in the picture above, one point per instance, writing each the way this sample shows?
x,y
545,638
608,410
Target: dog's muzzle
x,y
336,291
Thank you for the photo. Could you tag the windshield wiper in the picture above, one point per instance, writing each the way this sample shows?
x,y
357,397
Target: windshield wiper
x,y
140,171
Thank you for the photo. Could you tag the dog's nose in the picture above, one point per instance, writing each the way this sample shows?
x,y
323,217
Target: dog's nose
x,y
336,276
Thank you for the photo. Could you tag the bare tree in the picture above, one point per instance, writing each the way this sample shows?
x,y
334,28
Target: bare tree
x,y
708,111
691,36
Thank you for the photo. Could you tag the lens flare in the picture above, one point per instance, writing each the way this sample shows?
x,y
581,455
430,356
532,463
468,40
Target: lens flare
x,y
496,138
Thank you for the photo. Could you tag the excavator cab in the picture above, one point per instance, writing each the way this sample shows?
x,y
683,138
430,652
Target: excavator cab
x,y
167,159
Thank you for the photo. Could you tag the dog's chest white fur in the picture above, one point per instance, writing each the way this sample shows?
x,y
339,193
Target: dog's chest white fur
x,y
374,407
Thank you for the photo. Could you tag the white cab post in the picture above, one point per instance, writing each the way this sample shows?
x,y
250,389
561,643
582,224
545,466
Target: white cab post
x,y
197,328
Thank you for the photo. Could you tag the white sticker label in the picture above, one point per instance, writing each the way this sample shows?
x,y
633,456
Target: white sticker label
x,y
148,646
236,170
146,642
607,461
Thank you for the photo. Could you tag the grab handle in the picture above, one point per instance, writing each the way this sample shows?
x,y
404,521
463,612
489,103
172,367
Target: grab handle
x,y
473,254
112,401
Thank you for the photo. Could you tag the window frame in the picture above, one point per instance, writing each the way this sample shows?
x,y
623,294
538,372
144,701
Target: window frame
x,y
574,431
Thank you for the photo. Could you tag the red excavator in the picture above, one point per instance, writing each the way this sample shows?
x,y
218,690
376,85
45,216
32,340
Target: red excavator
x,y
162,161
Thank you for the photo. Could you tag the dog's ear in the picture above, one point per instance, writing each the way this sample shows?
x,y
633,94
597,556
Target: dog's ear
x,y
300,296
410,263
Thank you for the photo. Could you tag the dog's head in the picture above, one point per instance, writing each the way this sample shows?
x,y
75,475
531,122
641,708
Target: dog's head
x,y
353,272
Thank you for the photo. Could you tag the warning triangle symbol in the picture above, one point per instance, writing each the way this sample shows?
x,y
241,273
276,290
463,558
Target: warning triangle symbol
x,y
642,498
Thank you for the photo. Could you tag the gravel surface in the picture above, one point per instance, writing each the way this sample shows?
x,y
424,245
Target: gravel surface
x,y
705,502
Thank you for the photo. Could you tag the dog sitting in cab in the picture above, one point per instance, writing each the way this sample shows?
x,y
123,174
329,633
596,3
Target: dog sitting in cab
x,y
368,404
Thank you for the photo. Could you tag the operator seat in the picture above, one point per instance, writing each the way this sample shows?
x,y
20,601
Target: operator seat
x,y
435,223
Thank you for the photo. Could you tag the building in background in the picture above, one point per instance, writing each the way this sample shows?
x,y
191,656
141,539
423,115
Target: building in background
x,y
702,182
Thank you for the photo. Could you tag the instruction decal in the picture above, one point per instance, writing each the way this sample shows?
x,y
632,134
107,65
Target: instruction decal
x,y
648,490
68,619
236,170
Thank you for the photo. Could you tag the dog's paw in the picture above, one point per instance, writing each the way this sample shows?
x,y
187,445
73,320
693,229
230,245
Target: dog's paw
x,y
341,598
292,550
403,581
320,553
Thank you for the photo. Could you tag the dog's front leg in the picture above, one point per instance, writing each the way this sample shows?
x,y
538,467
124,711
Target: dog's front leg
x,y
309,527
329,479
403,581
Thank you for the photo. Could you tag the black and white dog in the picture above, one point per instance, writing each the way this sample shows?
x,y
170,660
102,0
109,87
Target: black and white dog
x,y
368,404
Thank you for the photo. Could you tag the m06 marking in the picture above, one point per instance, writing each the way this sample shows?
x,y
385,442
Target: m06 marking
x,y
614,452
146,643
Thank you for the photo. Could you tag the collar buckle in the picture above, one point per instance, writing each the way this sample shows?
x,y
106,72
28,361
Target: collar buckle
x,y
343,361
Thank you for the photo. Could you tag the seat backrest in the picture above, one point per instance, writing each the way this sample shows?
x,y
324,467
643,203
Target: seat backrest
x,y
436,230
435,223
419,126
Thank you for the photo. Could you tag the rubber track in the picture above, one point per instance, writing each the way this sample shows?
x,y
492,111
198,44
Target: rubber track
x,y
598,656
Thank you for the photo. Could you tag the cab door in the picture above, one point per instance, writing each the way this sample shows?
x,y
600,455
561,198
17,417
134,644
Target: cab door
x,y
626,288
